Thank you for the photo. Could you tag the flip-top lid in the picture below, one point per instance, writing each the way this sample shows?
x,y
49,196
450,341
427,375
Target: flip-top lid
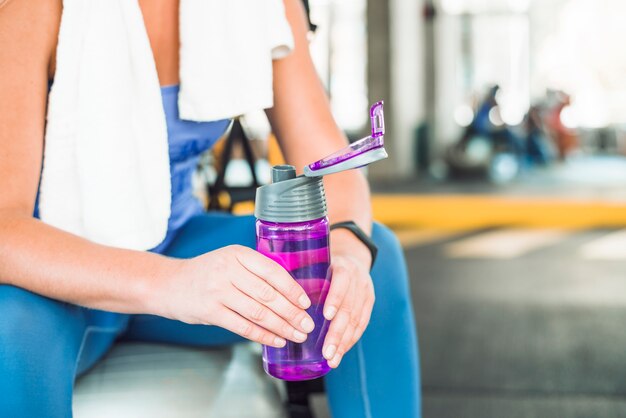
x,y
358,154
291,198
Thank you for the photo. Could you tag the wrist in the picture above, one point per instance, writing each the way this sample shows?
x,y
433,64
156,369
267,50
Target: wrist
x,y
344,243
152,290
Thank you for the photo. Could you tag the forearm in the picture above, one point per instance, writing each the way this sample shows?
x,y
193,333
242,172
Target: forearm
x,y
306,130
62,266
348,200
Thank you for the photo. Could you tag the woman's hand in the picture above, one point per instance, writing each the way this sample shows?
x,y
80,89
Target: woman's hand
x,y
351,297
240,290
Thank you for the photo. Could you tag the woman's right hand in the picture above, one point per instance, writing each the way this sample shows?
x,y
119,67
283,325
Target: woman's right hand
x,y
238,289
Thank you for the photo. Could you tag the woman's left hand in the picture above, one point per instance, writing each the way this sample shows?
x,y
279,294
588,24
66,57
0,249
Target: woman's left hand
x,y
351,296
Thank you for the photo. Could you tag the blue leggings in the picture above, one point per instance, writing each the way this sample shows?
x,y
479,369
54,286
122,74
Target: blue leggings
x,y
45,344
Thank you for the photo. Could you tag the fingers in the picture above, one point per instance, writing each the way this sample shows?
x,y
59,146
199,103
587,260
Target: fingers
x,y
262,292
365,317
274,274
358,322
353,294
338,289
347,340
339,326
354,331
234,322
261,315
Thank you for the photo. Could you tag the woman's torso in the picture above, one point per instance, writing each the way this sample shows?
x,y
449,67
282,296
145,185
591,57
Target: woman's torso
x,y
187,140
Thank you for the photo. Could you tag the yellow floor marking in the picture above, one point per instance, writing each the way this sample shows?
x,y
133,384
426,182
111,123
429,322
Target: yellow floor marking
x,y
504,244
609,247
456,212
410,238
474,212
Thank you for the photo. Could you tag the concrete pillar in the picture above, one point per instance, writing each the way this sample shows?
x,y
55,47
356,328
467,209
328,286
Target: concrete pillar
x,y
379,75
395,73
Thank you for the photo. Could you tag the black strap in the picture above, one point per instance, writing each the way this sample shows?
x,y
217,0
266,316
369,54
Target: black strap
x,y
239,193
307,7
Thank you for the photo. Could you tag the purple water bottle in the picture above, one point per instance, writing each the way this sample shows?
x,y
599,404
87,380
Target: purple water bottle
x,y
292,229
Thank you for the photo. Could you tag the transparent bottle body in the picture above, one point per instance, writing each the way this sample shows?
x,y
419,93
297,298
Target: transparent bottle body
x,y
302,249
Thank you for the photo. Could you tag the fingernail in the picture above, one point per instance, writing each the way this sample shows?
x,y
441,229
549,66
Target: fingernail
x,y
307,324
330,312
304,301
300,337
329,352
279,342
335,361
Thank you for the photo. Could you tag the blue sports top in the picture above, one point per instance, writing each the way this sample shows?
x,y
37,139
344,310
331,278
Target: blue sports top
x,y
187,141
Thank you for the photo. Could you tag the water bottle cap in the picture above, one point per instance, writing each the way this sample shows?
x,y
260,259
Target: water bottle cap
x,y
289,198
283,172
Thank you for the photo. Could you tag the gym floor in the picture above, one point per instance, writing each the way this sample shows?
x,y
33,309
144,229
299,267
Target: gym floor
x,y
521,323
519,293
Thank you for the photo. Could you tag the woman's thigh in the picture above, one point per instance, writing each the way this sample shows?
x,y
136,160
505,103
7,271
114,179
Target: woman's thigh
x,y
210,231
203,233
44,344
379,376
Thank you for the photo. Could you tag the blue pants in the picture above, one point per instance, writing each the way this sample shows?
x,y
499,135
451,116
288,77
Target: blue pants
x,y
45,344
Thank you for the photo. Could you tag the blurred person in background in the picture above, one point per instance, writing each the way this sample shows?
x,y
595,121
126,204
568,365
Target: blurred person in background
x,y
564,138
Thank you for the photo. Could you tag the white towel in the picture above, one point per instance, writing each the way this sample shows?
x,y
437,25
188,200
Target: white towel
x,y
237,69
106,166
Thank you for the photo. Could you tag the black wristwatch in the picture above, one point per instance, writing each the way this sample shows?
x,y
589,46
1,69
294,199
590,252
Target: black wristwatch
x,y
360,234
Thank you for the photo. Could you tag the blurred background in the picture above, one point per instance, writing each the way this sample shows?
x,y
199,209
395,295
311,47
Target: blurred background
x,y
506,128
541,79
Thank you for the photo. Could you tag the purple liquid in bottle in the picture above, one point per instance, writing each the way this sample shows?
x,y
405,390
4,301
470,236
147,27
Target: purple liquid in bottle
x,y
302,249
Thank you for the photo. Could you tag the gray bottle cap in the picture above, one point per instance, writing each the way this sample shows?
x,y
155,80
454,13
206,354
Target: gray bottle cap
x,y
283,172
289,198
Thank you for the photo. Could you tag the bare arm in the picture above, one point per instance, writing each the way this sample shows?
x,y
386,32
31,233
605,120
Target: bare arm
x,y
306,130
34,255
234,287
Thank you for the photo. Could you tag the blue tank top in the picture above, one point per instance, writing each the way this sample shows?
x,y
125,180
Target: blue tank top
x,y
187,141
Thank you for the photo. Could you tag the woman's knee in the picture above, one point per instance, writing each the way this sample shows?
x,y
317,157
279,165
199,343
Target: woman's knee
x,y
34,346
386,240
17,317
389,272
